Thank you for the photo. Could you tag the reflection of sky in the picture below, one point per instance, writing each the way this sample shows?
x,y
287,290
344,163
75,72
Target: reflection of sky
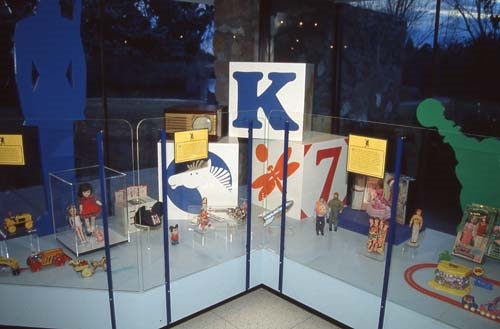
x,y
451,26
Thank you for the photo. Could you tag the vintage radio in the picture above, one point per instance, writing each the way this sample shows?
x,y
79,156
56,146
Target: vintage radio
x,y
195,117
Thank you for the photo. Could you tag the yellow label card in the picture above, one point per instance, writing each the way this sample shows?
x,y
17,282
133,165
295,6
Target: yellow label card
x,y
366,156
190,145
11,150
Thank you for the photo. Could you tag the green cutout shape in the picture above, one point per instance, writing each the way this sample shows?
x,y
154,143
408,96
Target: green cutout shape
x,y
478,161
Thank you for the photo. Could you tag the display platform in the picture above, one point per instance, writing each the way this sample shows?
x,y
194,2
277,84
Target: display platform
x,y
70,241
357,221
318,270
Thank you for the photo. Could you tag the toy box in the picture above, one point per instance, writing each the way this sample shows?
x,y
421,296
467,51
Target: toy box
x,y
474,232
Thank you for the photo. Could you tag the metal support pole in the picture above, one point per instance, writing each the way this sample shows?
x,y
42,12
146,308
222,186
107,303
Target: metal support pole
x,y
249,203
283,204
166,254
102,180
392,229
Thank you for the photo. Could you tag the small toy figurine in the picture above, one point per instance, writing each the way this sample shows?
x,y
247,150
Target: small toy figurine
x,y
204,223
416,223
75,222
90,207
174,234
335,206
481,229
467,232
321,210
98,234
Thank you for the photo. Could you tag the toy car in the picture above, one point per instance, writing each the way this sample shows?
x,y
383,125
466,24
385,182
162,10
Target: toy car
x,y
482,283
54,256
469,303
11,223
491,310
9,264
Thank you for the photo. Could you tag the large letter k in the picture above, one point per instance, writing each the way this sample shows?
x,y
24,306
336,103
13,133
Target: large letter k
x,y
249,102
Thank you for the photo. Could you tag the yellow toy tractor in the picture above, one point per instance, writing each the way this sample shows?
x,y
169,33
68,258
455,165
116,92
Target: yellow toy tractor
x,y
11,223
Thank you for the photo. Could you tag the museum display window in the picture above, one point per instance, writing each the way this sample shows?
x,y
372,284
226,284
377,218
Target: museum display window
x,y
370,72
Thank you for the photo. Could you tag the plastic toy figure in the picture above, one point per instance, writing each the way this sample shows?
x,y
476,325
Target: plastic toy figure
x,y
335,207
321,210
75,222
416,223
174,234
98,234
204,223
481,230
90,207
467,233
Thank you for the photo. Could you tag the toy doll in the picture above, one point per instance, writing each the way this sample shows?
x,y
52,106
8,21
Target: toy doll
x,y
335,206
321,210
75,222
481,230
174,234
203,223
378,206
466,237
90,207
98,234
416,223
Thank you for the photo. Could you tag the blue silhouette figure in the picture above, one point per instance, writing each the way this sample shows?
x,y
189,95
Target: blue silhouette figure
x,y
51,82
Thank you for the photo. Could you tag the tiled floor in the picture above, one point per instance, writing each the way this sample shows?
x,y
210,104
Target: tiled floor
x,y
259,309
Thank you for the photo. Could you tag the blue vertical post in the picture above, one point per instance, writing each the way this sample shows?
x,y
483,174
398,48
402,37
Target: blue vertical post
x,y
102,180
283,204
392,229
165,221
249,202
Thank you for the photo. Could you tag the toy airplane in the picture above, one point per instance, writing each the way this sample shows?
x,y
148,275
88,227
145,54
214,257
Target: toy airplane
x,y
269,216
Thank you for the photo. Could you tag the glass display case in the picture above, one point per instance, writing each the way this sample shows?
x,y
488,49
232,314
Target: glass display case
x,y
77,216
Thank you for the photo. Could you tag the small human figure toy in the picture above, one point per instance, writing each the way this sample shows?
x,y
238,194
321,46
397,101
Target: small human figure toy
x,y
174,234
90,207
204,223
75,222
481,230
416,223
98,234
335,207
321,210
467,233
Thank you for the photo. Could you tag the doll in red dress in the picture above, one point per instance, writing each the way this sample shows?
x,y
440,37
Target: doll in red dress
x,y
90,207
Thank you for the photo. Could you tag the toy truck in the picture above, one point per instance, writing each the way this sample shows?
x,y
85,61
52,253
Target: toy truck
x,y
54,256
11,223
10,264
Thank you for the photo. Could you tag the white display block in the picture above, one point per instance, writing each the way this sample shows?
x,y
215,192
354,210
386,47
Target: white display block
x,y
216,179
320,162
269,94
